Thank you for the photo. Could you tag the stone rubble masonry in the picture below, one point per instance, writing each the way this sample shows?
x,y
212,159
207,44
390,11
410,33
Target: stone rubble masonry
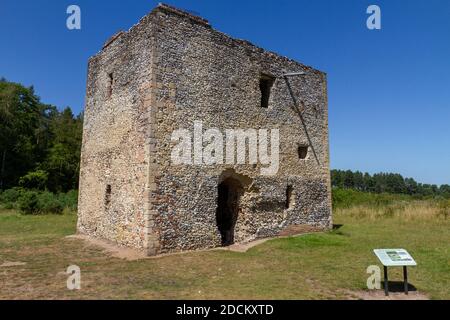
x,y
167,71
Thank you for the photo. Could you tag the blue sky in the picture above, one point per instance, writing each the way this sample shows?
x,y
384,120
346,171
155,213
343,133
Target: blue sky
x,y
389,89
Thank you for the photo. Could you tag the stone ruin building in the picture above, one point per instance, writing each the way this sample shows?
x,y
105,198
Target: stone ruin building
x,y
167,72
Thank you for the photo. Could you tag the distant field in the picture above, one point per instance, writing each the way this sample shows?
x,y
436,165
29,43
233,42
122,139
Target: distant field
x,y
317,266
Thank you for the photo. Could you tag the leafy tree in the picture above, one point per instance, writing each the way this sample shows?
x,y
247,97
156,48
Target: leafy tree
x,y
369,183
37,141
411,186
348,181
385,183
34,180
358,181
445,190
63,157
19,118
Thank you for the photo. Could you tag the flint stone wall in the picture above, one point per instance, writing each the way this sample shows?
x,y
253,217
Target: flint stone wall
x,y
170,70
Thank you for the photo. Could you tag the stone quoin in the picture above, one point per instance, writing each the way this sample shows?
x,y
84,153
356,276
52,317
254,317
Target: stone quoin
x,y
167,72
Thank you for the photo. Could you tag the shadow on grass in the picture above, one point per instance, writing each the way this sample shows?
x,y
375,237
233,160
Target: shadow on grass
x,y
398,286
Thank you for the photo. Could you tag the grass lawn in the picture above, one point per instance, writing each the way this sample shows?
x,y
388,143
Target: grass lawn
x,y
317,266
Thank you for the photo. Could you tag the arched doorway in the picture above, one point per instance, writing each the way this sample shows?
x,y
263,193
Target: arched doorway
x,y
229,192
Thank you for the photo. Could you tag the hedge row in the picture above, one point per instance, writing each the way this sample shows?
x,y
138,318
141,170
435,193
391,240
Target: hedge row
x,y
39,202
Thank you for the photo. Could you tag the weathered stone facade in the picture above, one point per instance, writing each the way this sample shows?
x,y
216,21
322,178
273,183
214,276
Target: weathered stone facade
x,y
166,72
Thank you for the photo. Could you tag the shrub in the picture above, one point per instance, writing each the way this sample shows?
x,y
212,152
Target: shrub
x,y
444,208
28,202
346,198
69,200
9,197
7,206
39,202
49,203
34,180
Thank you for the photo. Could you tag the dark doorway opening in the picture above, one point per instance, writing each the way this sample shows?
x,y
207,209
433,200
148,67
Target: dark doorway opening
x,y
229,192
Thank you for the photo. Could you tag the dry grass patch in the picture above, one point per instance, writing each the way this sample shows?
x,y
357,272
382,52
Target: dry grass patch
x,y
316,266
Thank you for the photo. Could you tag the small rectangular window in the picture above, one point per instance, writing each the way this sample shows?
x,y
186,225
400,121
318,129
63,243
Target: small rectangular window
x,y
265,85
107,196
302,152
110,83
289,199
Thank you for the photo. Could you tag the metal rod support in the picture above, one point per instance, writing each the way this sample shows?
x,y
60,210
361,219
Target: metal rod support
x,y
405,279
386,282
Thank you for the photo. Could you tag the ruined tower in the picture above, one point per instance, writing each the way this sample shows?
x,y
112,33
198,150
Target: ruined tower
x,y
172,71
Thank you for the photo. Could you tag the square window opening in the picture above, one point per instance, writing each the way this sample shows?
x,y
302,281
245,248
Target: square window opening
x,y
302,152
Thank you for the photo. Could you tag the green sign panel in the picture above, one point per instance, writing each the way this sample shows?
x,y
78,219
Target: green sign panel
x,y
394,257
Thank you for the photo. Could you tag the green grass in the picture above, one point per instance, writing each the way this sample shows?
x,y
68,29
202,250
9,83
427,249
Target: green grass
x,y
318,266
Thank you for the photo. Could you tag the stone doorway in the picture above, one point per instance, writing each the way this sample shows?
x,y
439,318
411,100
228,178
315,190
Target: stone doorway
x,y
229,193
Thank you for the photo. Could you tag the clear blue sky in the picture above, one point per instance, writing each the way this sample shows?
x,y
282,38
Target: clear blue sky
x,y
389,90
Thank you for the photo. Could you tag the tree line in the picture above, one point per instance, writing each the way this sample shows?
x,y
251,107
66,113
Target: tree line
x,y
40,150
39,145
385,183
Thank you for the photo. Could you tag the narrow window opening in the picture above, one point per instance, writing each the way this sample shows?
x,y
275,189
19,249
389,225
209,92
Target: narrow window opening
x,y
110,83
302,152
107,195
265,84
289,198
